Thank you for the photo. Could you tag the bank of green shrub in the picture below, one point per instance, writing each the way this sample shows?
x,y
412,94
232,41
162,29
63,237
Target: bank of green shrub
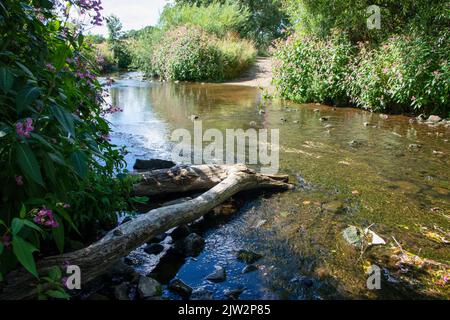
x,y
333,57
308,69
141,49
192,54
58,167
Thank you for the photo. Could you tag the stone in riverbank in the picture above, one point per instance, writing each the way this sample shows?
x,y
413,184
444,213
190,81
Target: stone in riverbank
x,y
148,287
192,245
179,287
219,275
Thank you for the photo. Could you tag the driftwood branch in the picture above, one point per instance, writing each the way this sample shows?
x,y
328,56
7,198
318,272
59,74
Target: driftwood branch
x,y
222,181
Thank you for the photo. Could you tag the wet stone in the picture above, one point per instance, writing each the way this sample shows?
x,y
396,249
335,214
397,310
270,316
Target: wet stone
x,y
249,268
219,275
248,257
179,287
233,294
149,287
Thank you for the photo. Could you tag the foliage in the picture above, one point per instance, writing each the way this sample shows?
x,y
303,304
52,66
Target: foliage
x,y
312,70
214,18
116,42
189,53
141,49
58,166
401,68
264,21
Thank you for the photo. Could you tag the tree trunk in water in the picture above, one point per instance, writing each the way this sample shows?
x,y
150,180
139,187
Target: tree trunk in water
x,y
224,181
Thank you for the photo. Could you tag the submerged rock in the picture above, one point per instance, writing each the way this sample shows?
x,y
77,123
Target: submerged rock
x,y
248,257
358,237
335,206
153,164
202,294
233,294
219,275
179,287
249,268
148,287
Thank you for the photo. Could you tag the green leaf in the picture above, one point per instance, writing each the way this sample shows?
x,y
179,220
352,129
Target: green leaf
x,y
6,79
41,140
58,294
23,211
79,162
28,163
25,69
2,246
17,225
58,236
49,168
63,213
142,200
55,273
24,252
64,118
26,97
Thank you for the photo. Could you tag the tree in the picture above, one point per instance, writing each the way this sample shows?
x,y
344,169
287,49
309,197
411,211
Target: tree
x,y
116,42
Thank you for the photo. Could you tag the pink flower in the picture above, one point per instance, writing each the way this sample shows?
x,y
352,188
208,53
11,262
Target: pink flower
x,y
413,98
45,218
6,239
50,67
66,206
23,129
19,180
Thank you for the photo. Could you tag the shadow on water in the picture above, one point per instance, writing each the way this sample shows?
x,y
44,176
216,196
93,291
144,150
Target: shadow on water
x,y
352,167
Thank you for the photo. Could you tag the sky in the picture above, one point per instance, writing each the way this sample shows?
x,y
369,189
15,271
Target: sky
x,y
134,14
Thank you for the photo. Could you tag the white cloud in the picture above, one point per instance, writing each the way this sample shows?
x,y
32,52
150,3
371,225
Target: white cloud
x,y
134,14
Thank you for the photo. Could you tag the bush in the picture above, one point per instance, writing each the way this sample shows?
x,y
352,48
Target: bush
x,y
312,70
215,18
141,50
58,166
104,59
402,75
191,54
236,54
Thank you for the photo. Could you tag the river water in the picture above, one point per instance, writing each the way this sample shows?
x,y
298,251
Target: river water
x,y
351,168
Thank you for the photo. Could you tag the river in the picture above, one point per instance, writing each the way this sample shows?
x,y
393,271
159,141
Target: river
x,y
351,167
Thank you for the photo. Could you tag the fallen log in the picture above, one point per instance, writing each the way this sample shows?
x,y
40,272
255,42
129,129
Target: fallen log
x,y
94,260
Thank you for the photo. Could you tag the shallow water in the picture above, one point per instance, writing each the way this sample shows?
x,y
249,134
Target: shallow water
x,y
377,180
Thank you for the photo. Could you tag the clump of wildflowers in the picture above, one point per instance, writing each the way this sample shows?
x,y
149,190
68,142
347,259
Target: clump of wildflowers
x,y
23,129
45,217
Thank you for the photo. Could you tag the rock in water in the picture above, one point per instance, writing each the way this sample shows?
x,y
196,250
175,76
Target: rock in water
x,y
233,294
353,236
180,232
179,287
357,237
219,275
121,291
149,287
153,164
154,248
201,294
193,245
248,257
434,119
249,268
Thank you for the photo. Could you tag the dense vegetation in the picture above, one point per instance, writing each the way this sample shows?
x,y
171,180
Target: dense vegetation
x,y
195,43
58,167
331,56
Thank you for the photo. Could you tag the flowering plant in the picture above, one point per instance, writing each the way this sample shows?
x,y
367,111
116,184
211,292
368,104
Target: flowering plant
x,y
58,169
